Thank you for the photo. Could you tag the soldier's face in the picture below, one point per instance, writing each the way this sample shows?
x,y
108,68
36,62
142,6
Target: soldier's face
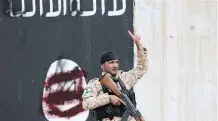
x,y
111,66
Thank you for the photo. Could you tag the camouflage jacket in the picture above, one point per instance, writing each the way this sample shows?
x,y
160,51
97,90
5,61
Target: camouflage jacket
x,y
94,96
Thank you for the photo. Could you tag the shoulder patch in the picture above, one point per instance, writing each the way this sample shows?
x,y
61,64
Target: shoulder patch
x,y
87,92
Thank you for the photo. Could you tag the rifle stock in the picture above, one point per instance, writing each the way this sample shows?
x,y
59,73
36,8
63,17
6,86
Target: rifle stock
x,y
107,81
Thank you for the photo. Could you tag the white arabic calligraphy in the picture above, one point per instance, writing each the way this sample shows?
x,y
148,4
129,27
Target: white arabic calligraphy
x,y
62,5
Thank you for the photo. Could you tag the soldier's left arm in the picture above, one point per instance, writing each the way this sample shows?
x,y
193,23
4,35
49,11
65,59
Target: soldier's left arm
x,y
131,77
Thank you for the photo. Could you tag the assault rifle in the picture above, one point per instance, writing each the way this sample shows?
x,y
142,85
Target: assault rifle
x,y
107,81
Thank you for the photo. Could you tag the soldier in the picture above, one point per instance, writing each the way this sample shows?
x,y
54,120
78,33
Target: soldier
x,y
105,104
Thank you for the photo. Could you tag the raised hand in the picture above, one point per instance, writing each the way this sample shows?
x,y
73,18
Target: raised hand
x,y
137,40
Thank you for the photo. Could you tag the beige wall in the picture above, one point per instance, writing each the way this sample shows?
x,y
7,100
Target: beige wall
x,y
181,38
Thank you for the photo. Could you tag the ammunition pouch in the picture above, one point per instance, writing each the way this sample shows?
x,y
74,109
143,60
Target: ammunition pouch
x,y
108,111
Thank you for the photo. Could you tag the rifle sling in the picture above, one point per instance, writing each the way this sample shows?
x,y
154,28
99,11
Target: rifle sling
x,y
121,84
126,113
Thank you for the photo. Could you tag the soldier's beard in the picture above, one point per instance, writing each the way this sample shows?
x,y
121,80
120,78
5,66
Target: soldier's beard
x,y
110,72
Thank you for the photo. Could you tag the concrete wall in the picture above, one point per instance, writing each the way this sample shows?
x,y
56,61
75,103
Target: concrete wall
x,y
181,37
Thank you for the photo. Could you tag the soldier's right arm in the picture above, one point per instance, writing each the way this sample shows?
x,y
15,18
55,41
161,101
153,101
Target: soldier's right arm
x,y
93,95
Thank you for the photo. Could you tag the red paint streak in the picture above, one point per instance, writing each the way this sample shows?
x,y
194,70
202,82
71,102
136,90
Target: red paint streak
x,y
54,98
68,113
57,78
60,97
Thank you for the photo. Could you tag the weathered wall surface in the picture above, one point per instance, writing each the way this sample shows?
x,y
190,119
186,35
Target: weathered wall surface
x,y
181,37
41,37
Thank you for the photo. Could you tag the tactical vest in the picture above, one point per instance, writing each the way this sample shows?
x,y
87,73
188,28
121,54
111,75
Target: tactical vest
x,y
110,110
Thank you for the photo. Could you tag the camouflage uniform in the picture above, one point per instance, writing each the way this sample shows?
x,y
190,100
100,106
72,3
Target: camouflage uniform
x,y
94,96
